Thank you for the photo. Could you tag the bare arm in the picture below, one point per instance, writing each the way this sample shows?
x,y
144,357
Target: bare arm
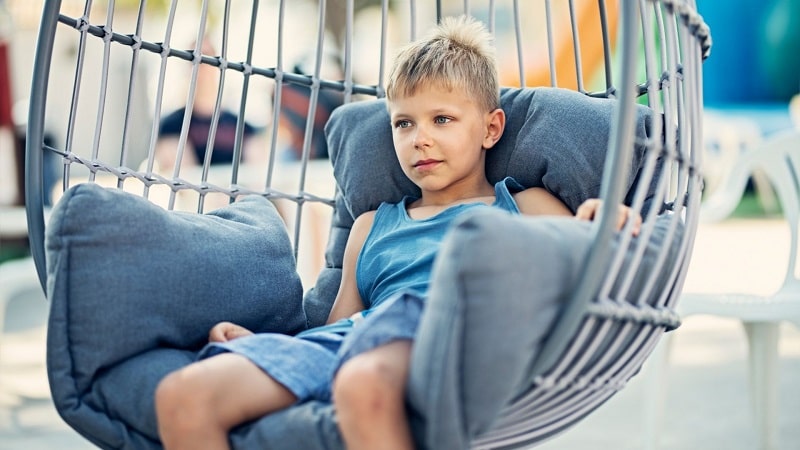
x,y
348,301
538,201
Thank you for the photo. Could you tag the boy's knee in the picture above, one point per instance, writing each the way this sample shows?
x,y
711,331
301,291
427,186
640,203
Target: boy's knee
x,y
177,400
366,382
168,395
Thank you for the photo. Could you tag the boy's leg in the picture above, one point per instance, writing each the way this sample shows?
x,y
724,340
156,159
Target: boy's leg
x,y
196,406
369,397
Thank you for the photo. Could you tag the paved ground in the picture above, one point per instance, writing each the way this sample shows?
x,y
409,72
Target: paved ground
x,y
707,403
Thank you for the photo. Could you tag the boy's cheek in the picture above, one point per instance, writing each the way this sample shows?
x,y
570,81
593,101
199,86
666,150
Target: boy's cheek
x,y
401,143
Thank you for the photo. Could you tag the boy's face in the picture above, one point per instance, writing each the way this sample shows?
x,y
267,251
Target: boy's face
x,y
440,136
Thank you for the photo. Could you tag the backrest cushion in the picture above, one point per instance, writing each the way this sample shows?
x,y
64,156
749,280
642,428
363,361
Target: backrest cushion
x,y
554,138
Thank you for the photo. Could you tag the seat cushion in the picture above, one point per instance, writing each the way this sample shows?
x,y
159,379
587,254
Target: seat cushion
x,y
125,277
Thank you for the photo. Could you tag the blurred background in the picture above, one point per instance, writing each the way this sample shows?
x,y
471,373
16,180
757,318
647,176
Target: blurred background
x,y
751,83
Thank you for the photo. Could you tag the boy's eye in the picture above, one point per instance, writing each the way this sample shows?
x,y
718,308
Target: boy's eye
x,y
441,120
402,123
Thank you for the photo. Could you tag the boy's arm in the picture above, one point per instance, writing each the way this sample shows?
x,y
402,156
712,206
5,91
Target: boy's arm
x,y
538,201
348,301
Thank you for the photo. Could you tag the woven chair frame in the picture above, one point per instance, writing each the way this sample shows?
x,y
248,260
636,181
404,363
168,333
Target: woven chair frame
x,y
651,53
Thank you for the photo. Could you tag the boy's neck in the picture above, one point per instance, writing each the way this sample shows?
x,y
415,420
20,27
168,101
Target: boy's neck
x,y
455,194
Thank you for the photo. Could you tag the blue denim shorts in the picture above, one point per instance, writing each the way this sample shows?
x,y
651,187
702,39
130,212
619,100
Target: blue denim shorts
x,y
306,363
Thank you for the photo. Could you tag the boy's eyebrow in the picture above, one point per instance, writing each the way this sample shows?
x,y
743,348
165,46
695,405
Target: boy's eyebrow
x,y
445,110
397,115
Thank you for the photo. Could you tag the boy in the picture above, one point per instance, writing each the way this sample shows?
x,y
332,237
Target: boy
x,y
443,100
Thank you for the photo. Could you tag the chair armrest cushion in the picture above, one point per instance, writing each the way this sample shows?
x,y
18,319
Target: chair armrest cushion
x,y
499,284
499,290
125,277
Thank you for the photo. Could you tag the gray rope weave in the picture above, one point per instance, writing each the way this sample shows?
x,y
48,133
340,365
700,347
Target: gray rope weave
x,y
627,311
621,311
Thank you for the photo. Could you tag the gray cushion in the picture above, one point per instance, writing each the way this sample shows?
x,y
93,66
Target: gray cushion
x,y
554,138
499,284
125,277
499,288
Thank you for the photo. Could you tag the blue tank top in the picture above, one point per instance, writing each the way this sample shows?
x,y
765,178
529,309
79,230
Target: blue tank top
x,y
399,251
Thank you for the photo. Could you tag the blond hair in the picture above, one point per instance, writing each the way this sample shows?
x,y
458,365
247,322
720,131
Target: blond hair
x,y
459,53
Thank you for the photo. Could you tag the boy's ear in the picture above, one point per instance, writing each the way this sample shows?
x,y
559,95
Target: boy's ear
x,y
495,124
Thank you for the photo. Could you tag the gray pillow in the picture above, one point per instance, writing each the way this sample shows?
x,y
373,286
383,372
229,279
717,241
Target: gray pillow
x,y
485,323
126,277
554,138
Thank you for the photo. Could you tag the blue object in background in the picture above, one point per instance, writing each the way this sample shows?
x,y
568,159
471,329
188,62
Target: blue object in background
x,y
756,51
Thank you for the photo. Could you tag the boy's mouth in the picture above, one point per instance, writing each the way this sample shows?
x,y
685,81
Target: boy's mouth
x,y
426,164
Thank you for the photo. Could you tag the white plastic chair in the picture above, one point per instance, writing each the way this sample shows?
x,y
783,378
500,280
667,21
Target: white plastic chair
x,y
19,282
778,159
18,279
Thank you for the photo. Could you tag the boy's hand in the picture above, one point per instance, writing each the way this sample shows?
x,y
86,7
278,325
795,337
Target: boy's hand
x,y
589,208
227,331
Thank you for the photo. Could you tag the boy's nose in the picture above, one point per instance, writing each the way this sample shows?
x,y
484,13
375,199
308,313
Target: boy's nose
x,y
421,138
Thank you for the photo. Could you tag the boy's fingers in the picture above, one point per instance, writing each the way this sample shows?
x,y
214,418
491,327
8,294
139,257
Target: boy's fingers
x,y
622,217
637,225
237,332
587,209
219,332
216,335
626,214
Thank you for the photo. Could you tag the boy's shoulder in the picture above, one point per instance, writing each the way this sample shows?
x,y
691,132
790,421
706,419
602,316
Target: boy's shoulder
x,y
365,219
539,201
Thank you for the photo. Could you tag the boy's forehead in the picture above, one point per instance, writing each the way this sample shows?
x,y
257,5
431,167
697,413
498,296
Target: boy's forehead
x,y
437,85
440,89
